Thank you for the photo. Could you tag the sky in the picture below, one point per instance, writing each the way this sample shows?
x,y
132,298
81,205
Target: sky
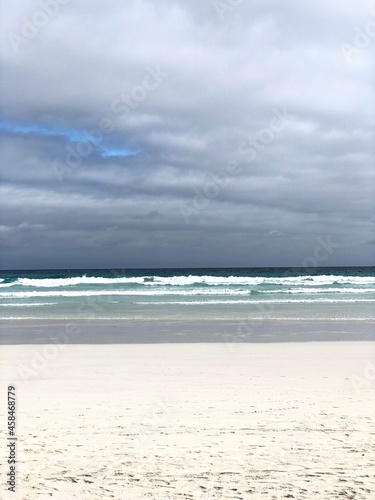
x,y
187,133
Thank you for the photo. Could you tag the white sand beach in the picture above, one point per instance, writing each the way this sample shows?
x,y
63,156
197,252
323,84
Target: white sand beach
x,y
192,421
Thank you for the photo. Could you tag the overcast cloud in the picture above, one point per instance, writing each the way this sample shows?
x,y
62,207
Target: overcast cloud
x,y
186,133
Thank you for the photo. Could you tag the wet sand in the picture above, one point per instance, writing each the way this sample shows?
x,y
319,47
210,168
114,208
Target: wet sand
x,y
144,332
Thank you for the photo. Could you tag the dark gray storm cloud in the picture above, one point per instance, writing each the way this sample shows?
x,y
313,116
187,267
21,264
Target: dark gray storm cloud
x,y
175,133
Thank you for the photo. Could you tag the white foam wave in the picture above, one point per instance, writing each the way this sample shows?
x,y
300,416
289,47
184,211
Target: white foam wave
x,y
151,281
180,292
320,290
23,304
303,301
91,293
60,282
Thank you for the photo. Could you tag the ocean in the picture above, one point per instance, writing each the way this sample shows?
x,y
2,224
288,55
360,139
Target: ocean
x,y
346,293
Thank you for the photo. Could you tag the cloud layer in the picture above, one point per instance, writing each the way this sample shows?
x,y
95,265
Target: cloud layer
x,y
171,133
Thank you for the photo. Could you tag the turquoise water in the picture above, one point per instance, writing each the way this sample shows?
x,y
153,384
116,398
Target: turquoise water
x,y
274,293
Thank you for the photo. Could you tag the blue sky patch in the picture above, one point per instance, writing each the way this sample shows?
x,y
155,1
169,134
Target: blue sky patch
x,y
102,147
